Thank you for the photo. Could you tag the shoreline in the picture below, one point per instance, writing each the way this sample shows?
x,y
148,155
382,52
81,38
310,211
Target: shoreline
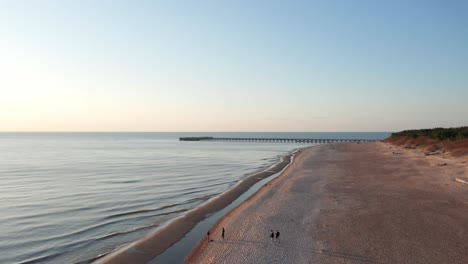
x,y
179,251
153,245
350,203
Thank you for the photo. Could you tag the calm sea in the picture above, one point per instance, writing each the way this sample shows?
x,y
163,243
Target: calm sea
x,y
69,197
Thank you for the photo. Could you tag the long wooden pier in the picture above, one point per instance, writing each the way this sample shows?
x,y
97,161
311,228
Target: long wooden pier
x,y
279,140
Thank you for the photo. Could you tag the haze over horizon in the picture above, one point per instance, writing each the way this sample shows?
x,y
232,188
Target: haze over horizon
x,y
257,66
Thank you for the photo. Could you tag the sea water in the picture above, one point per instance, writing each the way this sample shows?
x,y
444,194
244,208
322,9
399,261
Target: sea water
x,y
69,197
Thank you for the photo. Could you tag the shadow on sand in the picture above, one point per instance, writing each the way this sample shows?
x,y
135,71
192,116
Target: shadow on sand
x,y
290,246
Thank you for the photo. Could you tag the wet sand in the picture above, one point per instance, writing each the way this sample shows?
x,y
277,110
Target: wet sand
x,y
351,203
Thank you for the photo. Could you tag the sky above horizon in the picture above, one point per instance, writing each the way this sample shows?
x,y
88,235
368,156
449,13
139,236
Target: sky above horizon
x,y
233,65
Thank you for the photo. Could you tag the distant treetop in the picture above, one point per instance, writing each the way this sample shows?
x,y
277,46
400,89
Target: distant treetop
x,y
453,133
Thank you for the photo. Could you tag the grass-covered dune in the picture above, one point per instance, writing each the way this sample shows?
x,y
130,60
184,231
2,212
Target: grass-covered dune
x,y
454,133
434,141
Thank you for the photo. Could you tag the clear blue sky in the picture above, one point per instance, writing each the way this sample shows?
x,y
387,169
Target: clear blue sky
x,y
233,65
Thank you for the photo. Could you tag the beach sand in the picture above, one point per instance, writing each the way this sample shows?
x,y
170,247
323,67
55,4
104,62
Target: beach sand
x,y
350,203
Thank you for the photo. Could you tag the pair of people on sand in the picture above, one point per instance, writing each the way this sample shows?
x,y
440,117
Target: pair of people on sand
x,y
208,235
274,236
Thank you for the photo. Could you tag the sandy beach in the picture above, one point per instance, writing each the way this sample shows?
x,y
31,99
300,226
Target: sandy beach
x,y
350,203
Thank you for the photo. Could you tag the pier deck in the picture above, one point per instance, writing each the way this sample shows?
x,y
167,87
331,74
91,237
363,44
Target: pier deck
x,y
278,140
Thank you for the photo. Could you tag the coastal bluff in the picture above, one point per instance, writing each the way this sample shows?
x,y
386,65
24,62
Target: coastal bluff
x,y
436,141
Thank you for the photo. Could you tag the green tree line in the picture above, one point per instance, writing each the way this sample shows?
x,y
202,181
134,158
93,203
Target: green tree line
x,y
453,133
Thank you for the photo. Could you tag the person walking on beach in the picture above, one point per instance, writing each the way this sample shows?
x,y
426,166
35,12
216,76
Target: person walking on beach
x,y
208,235
272,236
222,234
277,235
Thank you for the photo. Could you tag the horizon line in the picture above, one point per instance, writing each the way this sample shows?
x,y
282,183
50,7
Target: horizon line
x,y
64,131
